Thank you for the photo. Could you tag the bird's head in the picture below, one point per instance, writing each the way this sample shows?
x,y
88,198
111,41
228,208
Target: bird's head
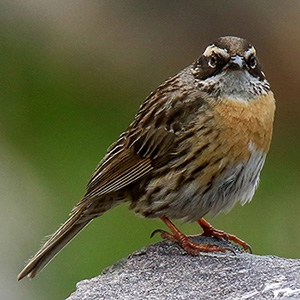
x,y
229,67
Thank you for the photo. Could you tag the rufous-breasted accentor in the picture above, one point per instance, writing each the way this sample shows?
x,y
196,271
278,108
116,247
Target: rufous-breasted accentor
x,y
196,146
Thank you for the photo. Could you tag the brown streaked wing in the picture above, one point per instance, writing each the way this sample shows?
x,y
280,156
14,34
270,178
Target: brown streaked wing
x,y
149,141
120,171
130,159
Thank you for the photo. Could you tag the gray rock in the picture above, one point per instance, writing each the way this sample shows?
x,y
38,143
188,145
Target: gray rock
x,y
165,271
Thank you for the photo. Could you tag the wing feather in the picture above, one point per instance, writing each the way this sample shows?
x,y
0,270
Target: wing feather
x,y
149,142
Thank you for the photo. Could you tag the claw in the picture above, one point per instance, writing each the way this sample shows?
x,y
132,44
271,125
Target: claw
x,y
164,235
189,246
156,232
209,230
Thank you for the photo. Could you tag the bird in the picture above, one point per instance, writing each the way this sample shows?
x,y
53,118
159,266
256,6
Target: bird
x,y
196,146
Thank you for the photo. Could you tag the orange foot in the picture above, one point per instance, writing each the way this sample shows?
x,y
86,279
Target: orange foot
x,y
219,234
183,240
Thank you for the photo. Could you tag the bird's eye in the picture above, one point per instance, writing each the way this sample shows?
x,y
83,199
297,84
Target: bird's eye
x,y
213,61
252,62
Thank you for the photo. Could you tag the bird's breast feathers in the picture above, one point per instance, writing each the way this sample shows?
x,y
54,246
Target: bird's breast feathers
x,y
241,123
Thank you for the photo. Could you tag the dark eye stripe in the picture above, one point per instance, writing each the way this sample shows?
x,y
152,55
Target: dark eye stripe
x,y
203,69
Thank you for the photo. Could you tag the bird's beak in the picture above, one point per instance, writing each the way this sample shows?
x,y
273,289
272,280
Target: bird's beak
x,y
236,62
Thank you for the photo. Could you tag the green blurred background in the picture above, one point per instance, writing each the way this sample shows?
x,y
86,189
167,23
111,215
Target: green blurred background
x,y
73,74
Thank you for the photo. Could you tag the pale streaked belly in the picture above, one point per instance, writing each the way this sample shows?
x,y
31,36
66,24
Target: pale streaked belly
x,y
237,184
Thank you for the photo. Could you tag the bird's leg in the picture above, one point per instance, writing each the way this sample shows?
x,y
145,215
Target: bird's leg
x,y
209,230
189,246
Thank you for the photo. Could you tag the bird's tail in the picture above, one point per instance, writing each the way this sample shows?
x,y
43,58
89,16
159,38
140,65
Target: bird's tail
x,y
55,243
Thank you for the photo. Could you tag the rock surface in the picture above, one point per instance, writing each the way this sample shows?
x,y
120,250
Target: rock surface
x,y
165,271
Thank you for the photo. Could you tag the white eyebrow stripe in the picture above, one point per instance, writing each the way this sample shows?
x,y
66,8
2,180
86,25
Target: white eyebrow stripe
x,y
214,49
249,52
